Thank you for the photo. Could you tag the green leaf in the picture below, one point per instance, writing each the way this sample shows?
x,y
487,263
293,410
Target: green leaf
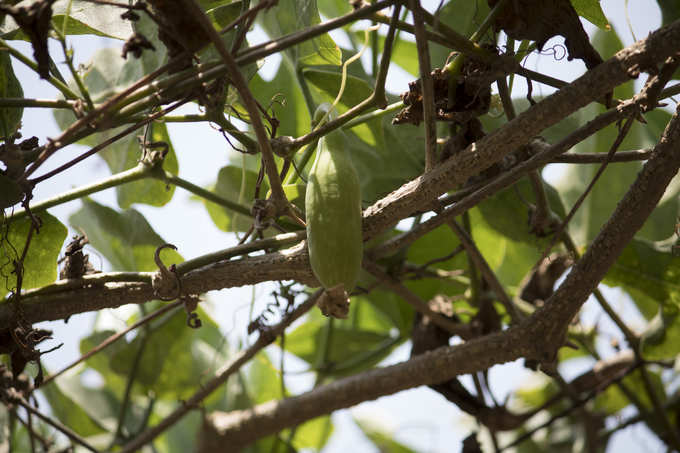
x,y
148,190
464,16
383,440
649,269
85,18
222,12
284,96
670,11
73,413
404,52
661,338
193,352
353,347
289,16
503,210
591,11
10,117
434,246
613,399
101,362
537,395
231,185
40,264
379,311
124,238
312,434
328,82
385,156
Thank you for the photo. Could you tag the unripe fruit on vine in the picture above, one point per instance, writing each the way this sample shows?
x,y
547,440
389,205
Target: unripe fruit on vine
x,y
333,211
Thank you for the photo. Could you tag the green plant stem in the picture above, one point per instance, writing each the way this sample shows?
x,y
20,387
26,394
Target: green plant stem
x,y
188,118
366,117
69,62
58,84
33,103
304,87
170,178
277,241
293,176
488,21
228,127
138,172
131,375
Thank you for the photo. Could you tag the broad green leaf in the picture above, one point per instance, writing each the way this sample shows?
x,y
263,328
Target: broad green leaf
x,y
536,395
510,259
313,434
661,338
434,247
85,18
10,117
607,43
328,81
231,185
503,210
222,12
591,11
383,440
40,264
649,270
352,347
181,436
285,100
333,8
101,362
405,54
263,379
464,16
380,311
70,412
612,400
670,11
295,193
194,353
289,16
609,189
124,238
148,190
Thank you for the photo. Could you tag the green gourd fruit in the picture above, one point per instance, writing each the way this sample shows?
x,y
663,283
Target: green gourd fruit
x,y
333,211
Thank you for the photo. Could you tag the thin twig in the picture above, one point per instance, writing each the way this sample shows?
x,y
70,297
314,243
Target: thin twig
x,y
598,158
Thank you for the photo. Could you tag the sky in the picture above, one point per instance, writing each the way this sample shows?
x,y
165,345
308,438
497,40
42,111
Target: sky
x,y
419,417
